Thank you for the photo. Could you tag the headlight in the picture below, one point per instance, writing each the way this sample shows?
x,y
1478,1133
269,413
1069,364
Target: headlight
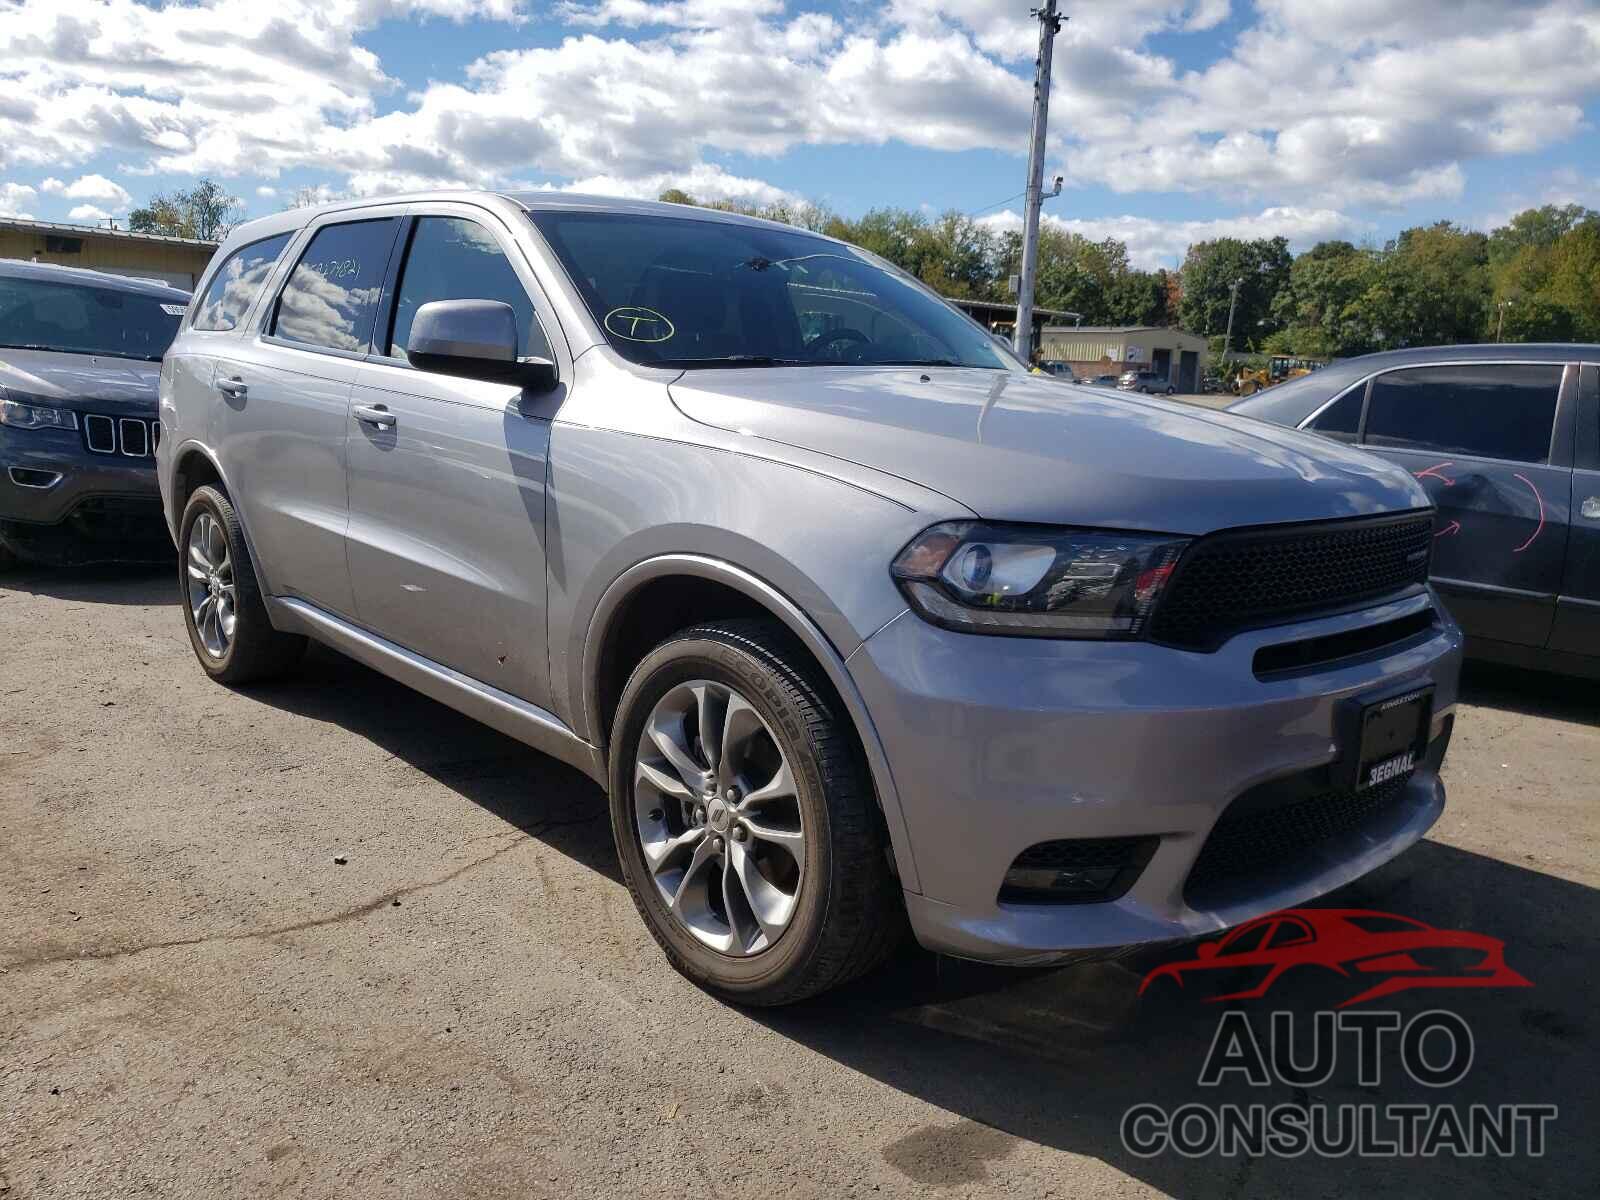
x,y
1035,580
36,416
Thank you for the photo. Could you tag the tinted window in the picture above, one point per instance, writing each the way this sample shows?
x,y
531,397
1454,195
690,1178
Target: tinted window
x,y
1248,940
1341,420
233,288
453,259
1490,410
332,295
708,293
1288,933
1383,923
40,314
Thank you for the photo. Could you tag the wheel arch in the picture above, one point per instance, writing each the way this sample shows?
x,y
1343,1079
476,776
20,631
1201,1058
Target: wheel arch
x,y
752,595
194,466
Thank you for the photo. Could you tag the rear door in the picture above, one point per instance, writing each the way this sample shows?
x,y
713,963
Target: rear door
x,y
284,405
1577,627
447,491
1482,437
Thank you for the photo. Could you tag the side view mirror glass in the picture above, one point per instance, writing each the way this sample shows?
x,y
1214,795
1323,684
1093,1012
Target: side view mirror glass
x,y
475,339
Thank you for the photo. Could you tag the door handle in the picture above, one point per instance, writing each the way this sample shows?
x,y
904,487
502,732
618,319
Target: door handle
x,y
375,415
234,387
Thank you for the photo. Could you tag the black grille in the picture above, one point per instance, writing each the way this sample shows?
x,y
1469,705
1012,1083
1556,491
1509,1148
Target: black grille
x,y
132,437
1249,578
1250,842
1076,870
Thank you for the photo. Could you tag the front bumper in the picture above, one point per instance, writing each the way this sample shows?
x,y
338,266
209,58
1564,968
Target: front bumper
x,y
997,744
59,502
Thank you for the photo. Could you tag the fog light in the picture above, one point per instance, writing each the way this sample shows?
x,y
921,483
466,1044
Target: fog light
x,y
1076,870
30,478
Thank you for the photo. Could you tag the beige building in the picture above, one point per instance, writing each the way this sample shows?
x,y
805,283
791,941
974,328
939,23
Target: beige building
x,y
175,260
1110,350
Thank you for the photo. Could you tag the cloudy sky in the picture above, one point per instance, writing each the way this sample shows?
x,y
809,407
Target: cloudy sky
x,y
1171,121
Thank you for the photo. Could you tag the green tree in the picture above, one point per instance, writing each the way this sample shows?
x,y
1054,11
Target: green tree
x,y
205,211
1209,270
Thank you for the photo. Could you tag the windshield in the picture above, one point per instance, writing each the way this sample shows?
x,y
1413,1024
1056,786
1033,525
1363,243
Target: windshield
x,y
71,318
675,292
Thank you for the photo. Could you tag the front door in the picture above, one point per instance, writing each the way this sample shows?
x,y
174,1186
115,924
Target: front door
x,y
1577,629
1479,437
447,475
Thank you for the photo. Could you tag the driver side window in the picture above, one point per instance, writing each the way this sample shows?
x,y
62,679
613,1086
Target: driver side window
x,y
451,258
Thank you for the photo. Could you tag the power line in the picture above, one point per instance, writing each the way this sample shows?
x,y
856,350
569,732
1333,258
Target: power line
x,y
996,204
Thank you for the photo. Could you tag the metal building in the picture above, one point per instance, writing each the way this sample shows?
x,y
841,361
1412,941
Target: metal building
x,y
1092,350
175,260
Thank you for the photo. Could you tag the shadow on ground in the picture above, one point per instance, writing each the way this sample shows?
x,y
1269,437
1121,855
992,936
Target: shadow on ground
x,y
1531,693
1056,1057
140,584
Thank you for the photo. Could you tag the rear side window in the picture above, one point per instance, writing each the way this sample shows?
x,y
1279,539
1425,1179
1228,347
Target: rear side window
x,y
456,259
332,295
1490,410
234,287
1341,420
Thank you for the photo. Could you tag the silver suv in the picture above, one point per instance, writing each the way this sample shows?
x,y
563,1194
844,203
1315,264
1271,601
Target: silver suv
x,y
858,623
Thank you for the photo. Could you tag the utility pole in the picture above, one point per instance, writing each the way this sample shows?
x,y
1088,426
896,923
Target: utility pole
x,y
1500,328
1049,26
1227,338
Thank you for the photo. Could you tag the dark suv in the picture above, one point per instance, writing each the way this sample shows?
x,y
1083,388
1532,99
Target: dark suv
x,y
80,360
1507,441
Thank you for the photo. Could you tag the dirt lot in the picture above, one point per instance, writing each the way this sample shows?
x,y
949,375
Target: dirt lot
x,y
195,1000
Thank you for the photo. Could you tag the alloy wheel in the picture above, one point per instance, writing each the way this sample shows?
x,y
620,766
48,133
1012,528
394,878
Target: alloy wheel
x,y
718,818
212,598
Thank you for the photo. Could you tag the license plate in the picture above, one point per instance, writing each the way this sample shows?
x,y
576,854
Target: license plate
x,y
1394,737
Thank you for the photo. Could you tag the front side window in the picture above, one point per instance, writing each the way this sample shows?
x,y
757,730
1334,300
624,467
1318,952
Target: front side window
x,y
1247,940
456,259
1489,410
73,318
689,293
234,287
331,298
1341,420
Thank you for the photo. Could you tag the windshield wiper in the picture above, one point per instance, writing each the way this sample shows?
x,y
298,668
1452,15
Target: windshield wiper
x,y
924,362
728,360
73,350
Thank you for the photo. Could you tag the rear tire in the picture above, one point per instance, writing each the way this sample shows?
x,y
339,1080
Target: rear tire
x,y
8,559
813,857
222,606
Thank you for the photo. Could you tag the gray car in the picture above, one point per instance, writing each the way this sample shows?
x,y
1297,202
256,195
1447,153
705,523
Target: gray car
x,y
858,624
79,360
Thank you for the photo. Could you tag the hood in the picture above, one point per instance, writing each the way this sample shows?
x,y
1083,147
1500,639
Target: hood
x,y
87,382
1016,448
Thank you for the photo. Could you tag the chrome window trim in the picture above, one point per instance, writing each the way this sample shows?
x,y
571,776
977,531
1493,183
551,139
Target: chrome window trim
x,y
1555,426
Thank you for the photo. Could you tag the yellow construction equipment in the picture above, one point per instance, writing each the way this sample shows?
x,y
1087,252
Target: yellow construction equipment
x,y
1280,367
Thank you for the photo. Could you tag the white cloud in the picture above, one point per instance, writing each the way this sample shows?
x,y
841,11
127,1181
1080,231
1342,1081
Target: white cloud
x,y
1153,243
15,199
98,187
266,193
88,213
1312,107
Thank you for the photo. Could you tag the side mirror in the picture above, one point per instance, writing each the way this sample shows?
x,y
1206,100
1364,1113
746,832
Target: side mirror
x,y
1207,949
475,339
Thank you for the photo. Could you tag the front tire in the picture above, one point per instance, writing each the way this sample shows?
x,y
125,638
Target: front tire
x,y
744,819
222,606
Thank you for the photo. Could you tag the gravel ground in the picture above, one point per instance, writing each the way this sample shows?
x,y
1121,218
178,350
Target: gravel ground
x,y
196,999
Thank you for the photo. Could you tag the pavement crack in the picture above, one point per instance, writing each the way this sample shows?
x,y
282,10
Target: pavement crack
x,y
527,834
